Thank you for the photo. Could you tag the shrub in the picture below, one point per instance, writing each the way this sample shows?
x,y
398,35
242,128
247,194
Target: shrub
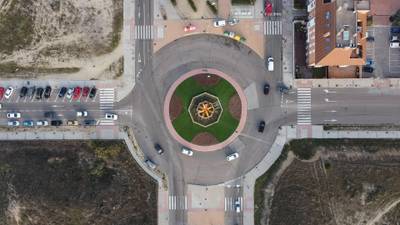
x,y
191,3
212,7
173,2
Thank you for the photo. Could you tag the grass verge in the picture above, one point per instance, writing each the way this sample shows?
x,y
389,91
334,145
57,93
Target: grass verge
x,y
183,123
243,2
12,67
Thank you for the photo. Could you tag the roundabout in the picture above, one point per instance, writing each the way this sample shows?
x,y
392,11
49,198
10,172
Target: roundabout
x,y
215,112
205,109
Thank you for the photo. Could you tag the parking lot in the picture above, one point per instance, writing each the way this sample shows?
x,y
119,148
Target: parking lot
x,y
386,60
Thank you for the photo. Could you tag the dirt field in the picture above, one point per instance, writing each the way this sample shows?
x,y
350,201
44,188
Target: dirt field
x,y
343,183
70,182
59,36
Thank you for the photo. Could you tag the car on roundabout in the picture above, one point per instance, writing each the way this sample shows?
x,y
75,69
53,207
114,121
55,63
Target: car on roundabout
x,y
158,148
232,156
187,151
111,116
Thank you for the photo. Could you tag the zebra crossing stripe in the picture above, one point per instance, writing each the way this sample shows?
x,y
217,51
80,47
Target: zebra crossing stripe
x,y
143,32
304,106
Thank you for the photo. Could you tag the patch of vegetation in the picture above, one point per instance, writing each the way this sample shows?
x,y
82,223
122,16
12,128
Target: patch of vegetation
x,y
243,2
173,2
12,67
395,19
299,4
183,123
369,20
319,72
116,28
16,27
212,7
192,5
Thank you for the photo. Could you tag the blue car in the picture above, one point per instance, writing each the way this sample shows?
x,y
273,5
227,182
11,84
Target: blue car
x,y
28,123
369,62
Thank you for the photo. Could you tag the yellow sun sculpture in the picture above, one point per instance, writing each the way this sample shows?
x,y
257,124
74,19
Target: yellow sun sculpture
x,y
205,109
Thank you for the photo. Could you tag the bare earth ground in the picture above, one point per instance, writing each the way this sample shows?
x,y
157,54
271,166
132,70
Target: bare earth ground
x,y
175,107
73,182
205,138
341,184
235,106
50,37
207,79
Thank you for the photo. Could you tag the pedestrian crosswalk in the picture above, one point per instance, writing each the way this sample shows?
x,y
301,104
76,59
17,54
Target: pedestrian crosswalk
x,y
107,98
145,32
177,202
230,203
272,27
106,123
304,106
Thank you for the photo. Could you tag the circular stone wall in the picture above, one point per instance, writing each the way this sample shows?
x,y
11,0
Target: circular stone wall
x,y
178,109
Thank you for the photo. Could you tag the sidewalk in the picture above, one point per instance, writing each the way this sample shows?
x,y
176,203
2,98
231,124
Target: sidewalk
x,y
287,43
286,134
348,83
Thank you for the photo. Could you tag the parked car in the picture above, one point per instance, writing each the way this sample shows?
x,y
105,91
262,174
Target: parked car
x,y
70,91
219,23
13,123
62,92
395,44
23,92
230,34
9,92
56,123
47,92
369,62
261,126
270,62
232,156
111,116
267,8
82,114
49,114
237,205
187,151
233,21
266,88
150,164
189,28
31,91
90,122
77,93
72,123
368,69
42,123
158,148
370,39
14,115
39,93
93,92
85,91
28,123
1,92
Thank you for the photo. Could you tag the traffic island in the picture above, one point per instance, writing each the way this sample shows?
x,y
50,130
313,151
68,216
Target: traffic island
x,y
205,109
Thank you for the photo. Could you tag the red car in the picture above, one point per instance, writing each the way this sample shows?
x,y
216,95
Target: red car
x,y
268,8
189,27
77,92
1,92
85,91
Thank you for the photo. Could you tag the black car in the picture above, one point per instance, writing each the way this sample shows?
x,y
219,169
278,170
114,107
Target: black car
x,y
63,91
261,126
47,92
93,92
90,122
370,39
56,123
368,69
49,114
266,88
158,148
31,91
23,92
39,93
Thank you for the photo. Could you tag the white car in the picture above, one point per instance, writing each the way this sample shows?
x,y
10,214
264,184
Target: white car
x,y
232,156
150,164
82,114
9,92
13,123
69,93
270,63
233,21
219,23
111,116
187,152
42,123
15,115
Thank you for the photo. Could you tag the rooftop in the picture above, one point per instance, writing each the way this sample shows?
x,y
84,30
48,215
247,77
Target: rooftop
x,y
346,24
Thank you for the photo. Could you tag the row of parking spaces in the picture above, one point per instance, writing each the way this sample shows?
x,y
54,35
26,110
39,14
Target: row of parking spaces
x,y
394,60
54,97
58,122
